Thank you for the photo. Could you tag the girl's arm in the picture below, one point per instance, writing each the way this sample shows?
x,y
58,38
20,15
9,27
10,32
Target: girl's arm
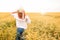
x,y
28,19
13,14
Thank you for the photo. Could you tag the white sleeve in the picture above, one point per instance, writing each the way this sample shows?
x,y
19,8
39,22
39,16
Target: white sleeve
x,y
28,19
14,15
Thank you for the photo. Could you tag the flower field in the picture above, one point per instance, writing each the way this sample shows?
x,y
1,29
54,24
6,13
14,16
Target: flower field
x,y
42,27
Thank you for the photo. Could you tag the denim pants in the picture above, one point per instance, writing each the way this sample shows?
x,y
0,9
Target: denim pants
x,y
19,33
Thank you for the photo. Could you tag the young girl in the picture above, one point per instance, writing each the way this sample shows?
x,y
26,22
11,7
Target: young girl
x,y
21,22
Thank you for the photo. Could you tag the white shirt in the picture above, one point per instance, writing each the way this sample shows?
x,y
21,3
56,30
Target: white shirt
x,y
21,23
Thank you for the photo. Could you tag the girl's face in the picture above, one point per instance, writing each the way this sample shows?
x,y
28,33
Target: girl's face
x,y
21,15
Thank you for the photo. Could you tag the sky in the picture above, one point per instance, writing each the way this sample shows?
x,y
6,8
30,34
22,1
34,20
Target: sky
x,y
30,5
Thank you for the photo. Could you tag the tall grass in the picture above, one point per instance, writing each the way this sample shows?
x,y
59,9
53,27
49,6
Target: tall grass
x,y
41,28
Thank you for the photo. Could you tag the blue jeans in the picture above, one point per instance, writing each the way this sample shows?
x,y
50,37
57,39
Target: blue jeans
x,y
19,33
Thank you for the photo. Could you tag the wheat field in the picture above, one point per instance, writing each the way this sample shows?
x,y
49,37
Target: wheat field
x,y
42,27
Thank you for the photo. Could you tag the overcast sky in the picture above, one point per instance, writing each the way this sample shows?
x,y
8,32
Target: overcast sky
x,y
30,5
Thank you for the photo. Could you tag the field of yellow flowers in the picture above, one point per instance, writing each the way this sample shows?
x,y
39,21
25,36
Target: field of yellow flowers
x,y
42,27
